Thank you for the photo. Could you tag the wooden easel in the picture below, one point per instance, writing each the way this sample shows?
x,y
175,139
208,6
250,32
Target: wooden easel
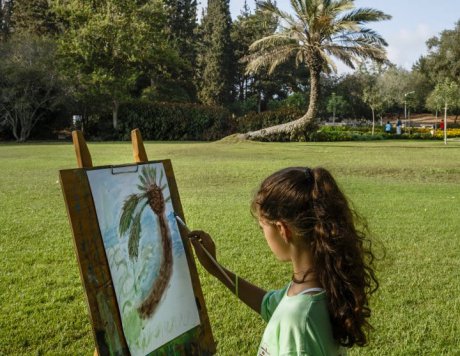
x,y
93,264
84,157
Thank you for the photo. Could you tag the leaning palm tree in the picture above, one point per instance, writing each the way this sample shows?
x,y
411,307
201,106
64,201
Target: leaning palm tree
x,y
151,194
318,31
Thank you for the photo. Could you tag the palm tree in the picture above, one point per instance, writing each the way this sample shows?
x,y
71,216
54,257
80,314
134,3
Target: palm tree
x,y
151,194
318,31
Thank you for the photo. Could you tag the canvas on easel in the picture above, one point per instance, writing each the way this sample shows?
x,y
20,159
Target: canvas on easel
x,y
139,275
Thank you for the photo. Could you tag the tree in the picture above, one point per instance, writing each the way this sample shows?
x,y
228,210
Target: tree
x,y
261,88
29,83
182,32
448,92
246,29
434,102
216,55
373,98
336,104
442,59
6,11
181,24
392,85
318,30
110,44
349,86
34,17
402,90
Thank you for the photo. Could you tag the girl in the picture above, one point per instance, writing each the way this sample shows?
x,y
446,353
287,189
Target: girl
x,y
307,221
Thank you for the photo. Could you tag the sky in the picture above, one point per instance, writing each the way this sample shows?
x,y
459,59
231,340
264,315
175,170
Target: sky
x,y
413,22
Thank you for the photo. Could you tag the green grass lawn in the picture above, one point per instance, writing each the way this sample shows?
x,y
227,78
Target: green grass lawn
x,y
409,192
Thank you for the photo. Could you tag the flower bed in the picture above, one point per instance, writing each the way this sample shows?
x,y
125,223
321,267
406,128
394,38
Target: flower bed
x,y
343,133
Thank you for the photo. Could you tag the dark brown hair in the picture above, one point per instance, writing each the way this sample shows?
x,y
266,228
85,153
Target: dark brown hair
x,y
310,202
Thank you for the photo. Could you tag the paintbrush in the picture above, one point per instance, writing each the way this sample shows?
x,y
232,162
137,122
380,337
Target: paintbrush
x,y
182,223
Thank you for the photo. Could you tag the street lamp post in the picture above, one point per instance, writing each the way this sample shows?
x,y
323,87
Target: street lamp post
x,y
405,106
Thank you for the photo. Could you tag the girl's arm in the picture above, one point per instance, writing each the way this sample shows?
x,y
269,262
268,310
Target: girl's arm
x,y
250,294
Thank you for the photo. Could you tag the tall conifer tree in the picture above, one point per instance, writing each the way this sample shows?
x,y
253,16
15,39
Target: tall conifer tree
x,y
216,58
34,17
182,24
6,10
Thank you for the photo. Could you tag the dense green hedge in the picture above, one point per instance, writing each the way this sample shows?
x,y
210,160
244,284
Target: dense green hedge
x,y
174,121
255,121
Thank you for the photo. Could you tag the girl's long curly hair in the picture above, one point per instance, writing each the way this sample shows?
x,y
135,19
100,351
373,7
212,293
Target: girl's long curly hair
x,y
310,202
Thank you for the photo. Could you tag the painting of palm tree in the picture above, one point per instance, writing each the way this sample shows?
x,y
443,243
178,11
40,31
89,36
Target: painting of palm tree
x,y
150,194
145,253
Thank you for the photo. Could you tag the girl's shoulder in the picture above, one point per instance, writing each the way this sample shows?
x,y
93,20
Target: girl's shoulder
x,y
271,301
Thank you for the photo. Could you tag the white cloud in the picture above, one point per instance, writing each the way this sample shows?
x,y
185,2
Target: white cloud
x,y
405,46
408,44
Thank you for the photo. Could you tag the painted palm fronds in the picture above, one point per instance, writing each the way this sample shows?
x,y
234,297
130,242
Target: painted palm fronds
x,y
151,188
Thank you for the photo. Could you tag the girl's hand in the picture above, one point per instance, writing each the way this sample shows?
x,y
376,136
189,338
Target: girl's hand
x,y
201,240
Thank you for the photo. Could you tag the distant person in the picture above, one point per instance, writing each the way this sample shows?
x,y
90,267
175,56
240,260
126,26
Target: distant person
x,y
398,127
388,127
441,125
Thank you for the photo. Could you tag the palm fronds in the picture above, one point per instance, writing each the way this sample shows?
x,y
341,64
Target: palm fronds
x,y
319,28
129,206
161,178
134,205
134,236
143,180
364,15
270,58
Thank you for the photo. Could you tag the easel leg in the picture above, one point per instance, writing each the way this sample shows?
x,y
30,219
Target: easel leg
x,y
138,146
83,160
81,150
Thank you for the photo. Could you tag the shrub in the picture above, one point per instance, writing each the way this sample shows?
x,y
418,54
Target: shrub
x,y
297,101
174,121
451,132
256,121
240,108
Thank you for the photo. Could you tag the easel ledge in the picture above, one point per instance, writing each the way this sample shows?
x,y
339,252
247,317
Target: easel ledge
x,y
92,260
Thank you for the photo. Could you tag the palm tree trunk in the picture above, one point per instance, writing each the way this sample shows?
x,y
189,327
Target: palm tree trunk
x,y
293,128
315,71
150,304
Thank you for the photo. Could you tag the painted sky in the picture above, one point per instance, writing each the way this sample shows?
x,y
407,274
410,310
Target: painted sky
x,y
413,22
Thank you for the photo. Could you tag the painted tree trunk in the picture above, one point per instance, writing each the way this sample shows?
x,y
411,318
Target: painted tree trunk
x,y
157,204
150,304
298,125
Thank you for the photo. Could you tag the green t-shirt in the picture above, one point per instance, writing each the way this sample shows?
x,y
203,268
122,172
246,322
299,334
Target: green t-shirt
x,y
297,325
